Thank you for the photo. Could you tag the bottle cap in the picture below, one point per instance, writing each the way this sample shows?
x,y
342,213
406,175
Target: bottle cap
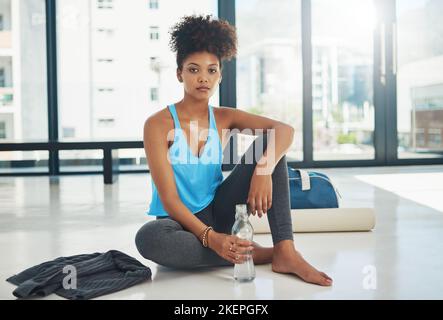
x,y
241,209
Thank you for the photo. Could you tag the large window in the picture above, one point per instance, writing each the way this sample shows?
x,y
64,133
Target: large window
x,y
23,88
342,78
115,67
269,64
367,63
420,78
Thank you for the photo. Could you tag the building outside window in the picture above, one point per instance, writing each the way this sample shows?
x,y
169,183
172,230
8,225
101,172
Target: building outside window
x,y
2,130
154,94
2,78
23,82
153,4
154,33
105,4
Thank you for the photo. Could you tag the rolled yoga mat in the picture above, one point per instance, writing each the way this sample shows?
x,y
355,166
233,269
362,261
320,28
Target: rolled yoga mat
x,y
323,220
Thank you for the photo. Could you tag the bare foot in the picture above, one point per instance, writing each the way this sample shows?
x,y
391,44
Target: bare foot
x,y
262,255
294,263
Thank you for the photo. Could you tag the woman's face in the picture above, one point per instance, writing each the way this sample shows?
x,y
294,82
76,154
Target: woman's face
x,y
200,75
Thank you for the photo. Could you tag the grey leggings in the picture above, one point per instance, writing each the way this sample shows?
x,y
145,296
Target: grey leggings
x,y
165,242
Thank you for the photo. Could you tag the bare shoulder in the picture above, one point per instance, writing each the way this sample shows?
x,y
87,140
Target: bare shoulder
x,y
227,116
224,116
159,121
239,119
226,112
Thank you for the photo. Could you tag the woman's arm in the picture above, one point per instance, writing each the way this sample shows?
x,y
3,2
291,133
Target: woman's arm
x,y
156,149
280,140
281,136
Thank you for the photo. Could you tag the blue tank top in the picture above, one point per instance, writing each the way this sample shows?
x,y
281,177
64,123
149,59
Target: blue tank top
x,y
196,178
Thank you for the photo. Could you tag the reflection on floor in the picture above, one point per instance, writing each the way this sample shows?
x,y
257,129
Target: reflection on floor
x,y
43,218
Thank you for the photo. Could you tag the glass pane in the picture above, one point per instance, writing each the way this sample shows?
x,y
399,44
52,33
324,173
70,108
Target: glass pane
x,y
132,159
24,161
23,90
115,64
420,79
342,79
269,63
81,160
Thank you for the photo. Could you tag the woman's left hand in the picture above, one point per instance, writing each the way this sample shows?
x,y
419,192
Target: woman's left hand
x,y
260,194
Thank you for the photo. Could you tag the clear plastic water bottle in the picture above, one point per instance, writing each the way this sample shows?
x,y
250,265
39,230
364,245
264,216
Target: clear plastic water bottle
x,y
242,228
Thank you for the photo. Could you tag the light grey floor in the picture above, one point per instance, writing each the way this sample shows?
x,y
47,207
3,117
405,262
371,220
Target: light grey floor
x,y
42,219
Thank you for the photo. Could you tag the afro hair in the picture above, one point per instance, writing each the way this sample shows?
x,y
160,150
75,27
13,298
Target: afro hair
x,y
198,33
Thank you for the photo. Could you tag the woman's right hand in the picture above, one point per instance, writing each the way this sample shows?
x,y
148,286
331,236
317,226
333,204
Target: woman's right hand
x,y
230,247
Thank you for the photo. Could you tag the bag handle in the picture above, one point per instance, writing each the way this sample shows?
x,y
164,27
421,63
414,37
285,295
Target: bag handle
x,y
305,180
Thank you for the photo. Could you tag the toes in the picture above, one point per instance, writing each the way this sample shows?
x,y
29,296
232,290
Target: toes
x,y
326,276
321,279
326,279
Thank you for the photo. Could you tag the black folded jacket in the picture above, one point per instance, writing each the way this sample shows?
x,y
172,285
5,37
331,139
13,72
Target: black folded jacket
x,y
97,274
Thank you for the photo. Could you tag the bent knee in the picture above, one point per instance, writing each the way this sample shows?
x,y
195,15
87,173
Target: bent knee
x,y
146,238
149,238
